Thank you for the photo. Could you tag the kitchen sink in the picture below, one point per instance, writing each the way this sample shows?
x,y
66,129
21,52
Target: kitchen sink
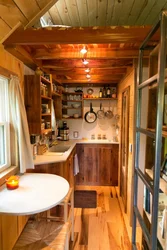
x,y
58,148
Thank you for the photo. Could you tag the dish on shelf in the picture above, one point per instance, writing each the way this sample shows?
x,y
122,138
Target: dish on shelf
x,y
65,106
75,115
75,105
65,116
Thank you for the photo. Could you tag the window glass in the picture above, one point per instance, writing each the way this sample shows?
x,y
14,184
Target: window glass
x,y
4,124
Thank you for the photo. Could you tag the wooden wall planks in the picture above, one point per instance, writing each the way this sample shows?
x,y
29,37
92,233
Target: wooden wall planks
x,y
102,12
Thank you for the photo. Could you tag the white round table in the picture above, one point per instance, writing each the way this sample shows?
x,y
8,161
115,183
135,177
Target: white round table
x,y
36,193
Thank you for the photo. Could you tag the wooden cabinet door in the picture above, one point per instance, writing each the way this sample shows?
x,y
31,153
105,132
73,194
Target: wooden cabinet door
x,y
9,231
91,164
98,164
108,165
80,177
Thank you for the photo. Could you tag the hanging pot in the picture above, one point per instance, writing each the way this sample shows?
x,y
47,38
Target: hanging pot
x,y
90,116
109,113
100,113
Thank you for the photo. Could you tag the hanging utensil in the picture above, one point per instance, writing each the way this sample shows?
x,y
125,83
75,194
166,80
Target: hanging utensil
x,y
90,116
100,113
109,113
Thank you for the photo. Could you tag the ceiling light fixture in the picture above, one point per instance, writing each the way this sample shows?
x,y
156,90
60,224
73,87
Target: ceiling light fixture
x,y
85,62
83,50
88,76
87,70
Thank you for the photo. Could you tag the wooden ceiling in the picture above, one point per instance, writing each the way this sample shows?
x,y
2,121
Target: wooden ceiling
x,y
95,24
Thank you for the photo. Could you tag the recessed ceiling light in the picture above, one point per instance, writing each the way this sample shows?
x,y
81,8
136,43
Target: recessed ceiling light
x,y
85,62
83,50
87,70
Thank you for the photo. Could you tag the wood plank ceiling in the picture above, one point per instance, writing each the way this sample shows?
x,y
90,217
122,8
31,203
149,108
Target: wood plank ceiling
x,y
95,24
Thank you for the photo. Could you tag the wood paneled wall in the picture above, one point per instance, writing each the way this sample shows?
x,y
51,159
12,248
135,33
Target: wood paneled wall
x,y
129,80
10,226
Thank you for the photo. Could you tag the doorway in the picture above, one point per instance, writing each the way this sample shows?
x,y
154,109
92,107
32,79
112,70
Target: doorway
x,y
124,146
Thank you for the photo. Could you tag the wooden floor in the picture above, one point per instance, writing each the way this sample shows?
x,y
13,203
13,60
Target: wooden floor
x,y
100,228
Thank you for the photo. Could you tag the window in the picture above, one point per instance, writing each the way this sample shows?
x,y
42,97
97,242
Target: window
x,y
4,125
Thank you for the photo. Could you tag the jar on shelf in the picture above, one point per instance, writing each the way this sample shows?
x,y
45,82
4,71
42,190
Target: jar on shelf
x,y
48,125
66,88
46,91
114,95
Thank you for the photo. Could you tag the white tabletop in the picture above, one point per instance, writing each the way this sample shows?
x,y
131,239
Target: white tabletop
x,y
36,193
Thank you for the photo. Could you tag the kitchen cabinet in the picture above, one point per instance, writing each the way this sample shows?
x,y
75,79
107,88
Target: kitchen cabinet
x,y
98,164
72,105
37,95
64,169
10,227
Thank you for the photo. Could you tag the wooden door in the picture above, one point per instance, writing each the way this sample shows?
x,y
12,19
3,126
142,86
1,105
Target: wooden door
x,y
124,146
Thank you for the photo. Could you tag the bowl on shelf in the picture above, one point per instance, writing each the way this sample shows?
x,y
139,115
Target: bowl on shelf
x,y
76,105
65,116
75,115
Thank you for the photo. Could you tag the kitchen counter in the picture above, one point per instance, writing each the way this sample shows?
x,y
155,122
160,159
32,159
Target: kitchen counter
x,y
54,157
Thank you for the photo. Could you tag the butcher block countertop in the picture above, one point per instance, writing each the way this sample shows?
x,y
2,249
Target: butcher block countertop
x,y
55,157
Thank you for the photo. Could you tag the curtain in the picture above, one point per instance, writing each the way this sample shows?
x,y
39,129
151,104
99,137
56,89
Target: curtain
x,y
19,120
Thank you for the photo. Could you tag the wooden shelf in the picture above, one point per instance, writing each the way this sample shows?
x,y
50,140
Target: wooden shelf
x,y
44,80
69,118
72,100
56,94
72,93
46,97
72,108
94,99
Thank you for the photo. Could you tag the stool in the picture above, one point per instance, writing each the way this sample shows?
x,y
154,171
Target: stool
x,y
68,214
43,235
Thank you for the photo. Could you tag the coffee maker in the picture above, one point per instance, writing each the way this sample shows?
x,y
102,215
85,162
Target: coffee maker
x,y
64,132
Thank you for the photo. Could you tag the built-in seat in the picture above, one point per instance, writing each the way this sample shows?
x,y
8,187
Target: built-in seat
x,y
49,232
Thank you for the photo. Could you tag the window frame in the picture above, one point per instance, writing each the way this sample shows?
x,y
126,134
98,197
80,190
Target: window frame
x,y
7,153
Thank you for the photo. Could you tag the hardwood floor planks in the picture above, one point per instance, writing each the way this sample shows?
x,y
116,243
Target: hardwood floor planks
x,y
100,228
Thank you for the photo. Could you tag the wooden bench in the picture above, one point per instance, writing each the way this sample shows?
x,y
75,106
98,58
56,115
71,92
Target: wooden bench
x,y
44,235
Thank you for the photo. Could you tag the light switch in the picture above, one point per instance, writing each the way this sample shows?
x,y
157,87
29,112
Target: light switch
x,y
130,147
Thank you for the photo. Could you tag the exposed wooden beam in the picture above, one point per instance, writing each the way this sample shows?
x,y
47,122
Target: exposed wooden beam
x,y
93,77
94,82
40,13
112,34
81,71
44,54
22,55
96,63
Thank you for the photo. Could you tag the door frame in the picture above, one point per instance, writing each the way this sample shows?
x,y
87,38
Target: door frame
x,y
124,199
